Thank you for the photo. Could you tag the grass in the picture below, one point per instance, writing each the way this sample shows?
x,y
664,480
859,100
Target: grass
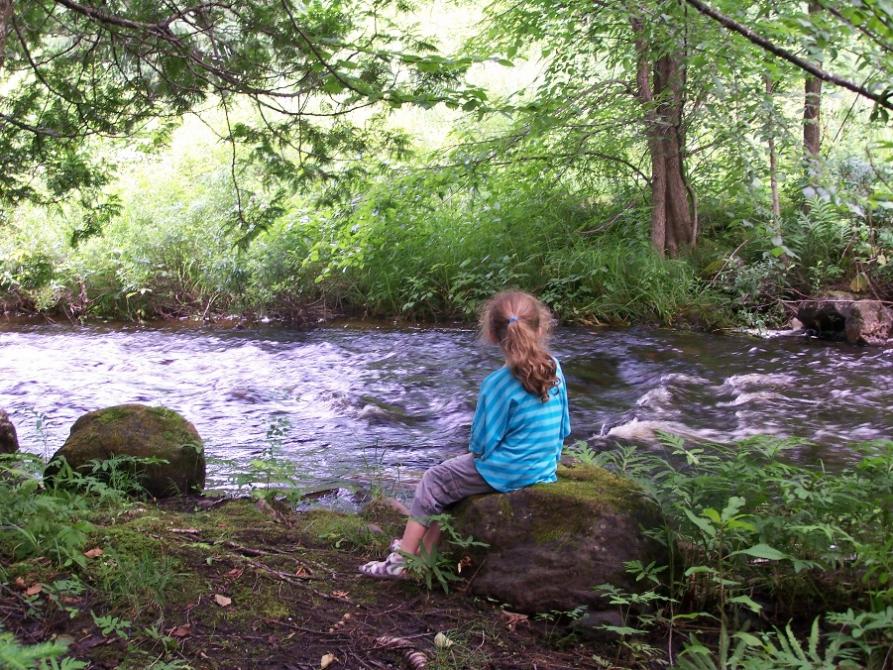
x,y
771,562
772,565
420,245
172,585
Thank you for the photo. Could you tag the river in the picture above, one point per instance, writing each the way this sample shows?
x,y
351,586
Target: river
x,y
360,403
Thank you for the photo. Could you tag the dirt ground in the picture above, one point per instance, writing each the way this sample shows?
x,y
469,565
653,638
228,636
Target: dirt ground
x,y
232,585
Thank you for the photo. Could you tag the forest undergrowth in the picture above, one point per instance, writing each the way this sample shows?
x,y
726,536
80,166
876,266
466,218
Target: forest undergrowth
x,y
430,246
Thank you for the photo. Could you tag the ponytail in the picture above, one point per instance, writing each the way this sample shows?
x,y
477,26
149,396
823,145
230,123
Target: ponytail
x,y
520,324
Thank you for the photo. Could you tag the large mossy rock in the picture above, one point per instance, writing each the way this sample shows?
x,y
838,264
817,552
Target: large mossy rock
x,y
551,544
9,442
140,432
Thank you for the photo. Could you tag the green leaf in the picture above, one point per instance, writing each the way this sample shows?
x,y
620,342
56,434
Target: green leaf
x,y
754,607
622,630
761,551
703,524
333,85
748,638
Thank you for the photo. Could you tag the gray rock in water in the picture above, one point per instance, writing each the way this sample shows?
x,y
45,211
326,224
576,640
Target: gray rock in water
x,y
140,432
9,442
856,321
551,544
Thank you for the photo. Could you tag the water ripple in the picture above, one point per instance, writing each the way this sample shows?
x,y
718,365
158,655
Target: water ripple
x,y
359,399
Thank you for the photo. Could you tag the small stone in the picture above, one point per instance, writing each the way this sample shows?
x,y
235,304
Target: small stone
x,y
384,511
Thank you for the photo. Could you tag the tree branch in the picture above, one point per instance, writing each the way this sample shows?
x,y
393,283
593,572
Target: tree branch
x,y
882,100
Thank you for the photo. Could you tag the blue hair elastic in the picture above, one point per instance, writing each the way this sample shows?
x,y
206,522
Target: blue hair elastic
x,y
513,318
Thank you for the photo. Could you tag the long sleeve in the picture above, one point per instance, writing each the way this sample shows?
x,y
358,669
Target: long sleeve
x,y
565,415
476,443
491,418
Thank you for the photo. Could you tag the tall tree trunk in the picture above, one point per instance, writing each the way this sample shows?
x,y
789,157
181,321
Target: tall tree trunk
x,y
773,154
5,27
672,222
812,130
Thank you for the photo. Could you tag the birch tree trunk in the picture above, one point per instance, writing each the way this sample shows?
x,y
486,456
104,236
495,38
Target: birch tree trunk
x,y
773,154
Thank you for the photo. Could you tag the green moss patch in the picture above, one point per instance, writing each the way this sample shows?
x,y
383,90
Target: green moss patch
x,y
238,586
347,531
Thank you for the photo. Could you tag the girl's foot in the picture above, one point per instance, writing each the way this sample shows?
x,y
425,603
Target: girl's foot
x,y
393,567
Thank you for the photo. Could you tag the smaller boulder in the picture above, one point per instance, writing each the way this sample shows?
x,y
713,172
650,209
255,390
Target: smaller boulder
x,y
550,545
386,509
869,322
856,321
139,432
9,442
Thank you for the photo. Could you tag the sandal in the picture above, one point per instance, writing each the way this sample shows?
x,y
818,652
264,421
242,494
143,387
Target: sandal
x,y
393,567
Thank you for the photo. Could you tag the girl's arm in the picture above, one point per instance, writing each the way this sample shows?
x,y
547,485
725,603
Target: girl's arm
x,y
476,443
490,420
566,415
565,412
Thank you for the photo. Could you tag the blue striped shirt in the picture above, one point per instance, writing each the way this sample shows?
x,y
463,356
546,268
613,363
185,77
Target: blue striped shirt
x,y
515,436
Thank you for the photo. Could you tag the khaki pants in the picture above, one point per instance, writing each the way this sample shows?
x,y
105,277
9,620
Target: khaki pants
x,y
445,484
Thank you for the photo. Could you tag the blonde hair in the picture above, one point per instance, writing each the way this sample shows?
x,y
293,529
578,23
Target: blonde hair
x,y
520,324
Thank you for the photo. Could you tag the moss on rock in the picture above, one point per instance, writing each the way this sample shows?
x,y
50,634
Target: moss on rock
x,y
138,432
549,545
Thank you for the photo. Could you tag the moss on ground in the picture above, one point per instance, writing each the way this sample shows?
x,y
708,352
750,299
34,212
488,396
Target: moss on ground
x,y
347,531
225,584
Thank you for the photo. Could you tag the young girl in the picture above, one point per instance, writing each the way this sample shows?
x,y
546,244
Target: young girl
x,y
517,433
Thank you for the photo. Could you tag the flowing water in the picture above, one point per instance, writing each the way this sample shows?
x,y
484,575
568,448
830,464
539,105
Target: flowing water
x,y
364,402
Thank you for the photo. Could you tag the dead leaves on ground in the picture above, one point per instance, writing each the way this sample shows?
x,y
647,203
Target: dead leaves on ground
x,y
181,631
31,589
234,574
514,619
341,622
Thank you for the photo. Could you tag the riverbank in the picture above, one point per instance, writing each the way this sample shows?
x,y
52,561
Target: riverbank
x,y
431,247
210,583
783,566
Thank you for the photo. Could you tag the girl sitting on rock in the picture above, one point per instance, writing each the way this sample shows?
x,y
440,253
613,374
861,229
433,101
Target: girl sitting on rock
x,y
517,433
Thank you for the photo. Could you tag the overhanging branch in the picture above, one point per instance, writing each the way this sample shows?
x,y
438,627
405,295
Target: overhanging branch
x,y
882,100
